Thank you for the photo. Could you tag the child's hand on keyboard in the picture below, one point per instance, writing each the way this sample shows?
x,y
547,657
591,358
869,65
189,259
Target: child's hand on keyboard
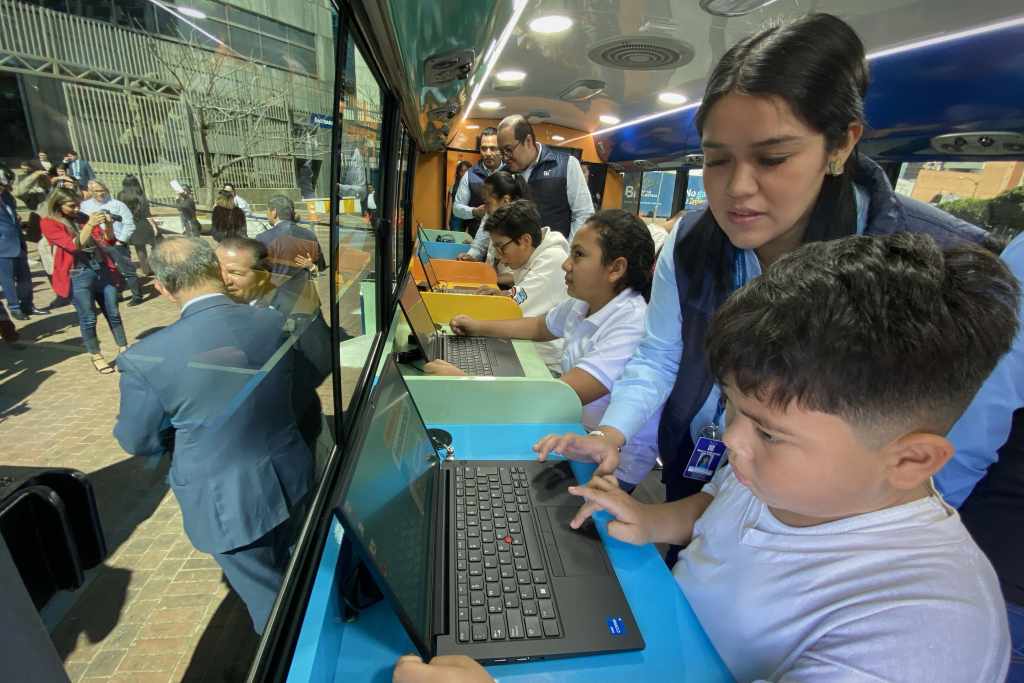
x,y
442,367
465,325
602,492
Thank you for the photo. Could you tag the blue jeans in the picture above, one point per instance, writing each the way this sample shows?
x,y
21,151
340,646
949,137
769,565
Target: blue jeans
x,y
89,286
1016,615
16,282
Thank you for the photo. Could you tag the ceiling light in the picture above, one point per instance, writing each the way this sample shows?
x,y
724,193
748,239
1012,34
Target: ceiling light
x,y
673,98
608,119
190,12
950,37
472,126
495,53
512,75
733,8
639,119
557,138
489,105
554,23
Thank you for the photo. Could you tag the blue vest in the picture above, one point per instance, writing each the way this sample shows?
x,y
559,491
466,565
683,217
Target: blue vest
x,y
888,213
477,174
547,187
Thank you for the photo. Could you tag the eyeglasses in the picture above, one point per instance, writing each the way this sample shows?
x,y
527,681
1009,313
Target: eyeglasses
x,y
507,151
500,248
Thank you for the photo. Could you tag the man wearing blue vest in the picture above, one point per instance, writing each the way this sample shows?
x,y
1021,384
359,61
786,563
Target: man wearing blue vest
x,y
555,179
469,197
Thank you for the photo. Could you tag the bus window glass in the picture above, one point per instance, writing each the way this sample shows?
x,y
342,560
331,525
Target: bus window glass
x,y
989,194
631,184
358,199
200,146
401,210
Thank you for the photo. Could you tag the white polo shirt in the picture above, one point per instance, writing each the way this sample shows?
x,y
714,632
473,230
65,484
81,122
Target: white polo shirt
x,y
539,286
601,345
901,594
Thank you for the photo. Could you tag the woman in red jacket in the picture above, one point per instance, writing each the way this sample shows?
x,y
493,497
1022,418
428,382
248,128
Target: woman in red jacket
x,y
82,269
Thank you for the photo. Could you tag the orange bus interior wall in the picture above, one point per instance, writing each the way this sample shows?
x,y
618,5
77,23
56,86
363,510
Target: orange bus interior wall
x,y
435,171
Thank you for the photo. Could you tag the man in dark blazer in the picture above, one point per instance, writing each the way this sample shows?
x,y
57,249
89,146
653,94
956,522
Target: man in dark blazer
x,y
79,169
217,383
292,248
244,265
15,275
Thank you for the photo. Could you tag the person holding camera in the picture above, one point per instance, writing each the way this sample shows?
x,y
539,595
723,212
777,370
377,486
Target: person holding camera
x,y
124,228
84,268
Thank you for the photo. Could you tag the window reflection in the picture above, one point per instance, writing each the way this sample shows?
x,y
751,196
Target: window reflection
x,y
212,134
359,197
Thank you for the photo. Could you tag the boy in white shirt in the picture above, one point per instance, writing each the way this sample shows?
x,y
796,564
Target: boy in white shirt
x,y
535,256
821,551
608,274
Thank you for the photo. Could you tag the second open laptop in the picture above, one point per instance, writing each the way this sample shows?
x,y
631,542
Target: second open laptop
x,y
433,282
483,356
476,557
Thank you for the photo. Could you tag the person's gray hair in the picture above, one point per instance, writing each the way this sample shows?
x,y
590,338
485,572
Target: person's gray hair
x,y
284,207
99,182
183,263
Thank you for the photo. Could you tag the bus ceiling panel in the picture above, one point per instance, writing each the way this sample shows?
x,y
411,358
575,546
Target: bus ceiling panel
x,y
405,34
648,54
925,87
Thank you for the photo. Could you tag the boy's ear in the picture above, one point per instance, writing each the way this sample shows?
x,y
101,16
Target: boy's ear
x,y
913,458
617,269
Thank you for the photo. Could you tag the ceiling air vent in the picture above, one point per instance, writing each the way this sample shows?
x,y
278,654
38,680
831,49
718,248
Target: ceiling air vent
x,y
642,53
446,67
980,144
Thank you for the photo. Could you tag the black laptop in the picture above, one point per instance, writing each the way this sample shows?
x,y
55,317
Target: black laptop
x,y
476,557
482,356
433,282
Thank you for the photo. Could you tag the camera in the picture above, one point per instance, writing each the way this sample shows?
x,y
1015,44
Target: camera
x,y
115,218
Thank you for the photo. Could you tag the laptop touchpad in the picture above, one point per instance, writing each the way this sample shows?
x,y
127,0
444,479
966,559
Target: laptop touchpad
x,y
579,551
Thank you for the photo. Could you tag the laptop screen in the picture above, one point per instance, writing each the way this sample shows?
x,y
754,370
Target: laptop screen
x,y
389,499
428,268
416,313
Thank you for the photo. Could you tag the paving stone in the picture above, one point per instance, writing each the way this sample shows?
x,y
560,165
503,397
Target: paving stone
x,y
134,662
105,663
157,646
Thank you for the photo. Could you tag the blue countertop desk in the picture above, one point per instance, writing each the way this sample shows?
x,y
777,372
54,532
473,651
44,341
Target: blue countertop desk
x,y
677,648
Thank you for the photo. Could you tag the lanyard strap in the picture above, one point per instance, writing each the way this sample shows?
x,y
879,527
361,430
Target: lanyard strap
x,y
739,269
739,278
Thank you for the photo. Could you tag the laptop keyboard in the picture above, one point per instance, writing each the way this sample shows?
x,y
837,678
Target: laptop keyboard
x,y
502,580
469,354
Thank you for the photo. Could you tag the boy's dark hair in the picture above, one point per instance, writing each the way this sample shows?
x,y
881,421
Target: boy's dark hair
x,y
621,234
503,183
888,333
515,220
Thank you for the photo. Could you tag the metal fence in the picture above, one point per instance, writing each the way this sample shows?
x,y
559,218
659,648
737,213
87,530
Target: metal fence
x,y
134,122
123,133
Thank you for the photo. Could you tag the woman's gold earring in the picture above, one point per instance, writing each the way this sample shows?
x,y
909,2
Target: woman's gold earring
x,y
835,167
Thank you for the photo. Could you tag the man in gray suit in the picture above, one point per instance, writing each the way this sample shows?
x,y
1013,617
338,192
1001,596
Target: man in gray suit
x,y
216,384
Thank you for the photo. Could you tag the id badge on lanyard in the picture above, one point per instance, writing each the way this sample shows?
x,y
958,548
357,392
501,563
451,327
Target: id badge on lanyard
x,y
710,452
